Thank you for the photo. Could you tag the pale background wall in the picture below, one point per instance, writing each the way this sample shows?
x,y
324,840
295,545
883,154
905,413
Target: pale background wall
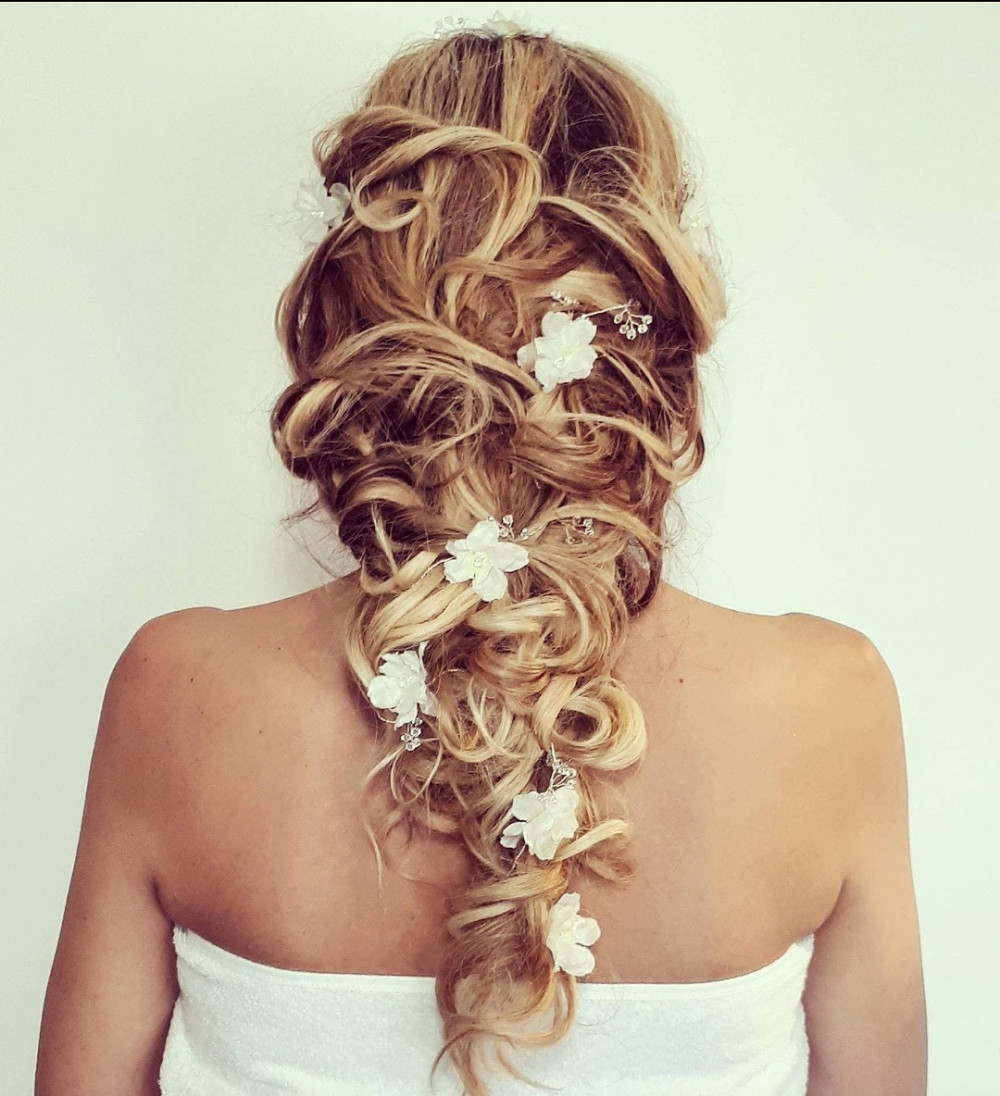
x,y
149,155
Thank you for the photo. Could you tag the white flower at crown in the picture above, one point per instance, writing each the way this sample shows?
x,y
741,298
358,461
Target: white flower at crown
x,y
484,556
401,686
499,26
545,820
562,352
320,209
570,936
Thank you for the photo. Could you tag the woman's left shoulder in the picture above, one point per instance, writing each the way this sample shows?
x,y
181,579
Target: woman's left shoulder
x,y
201,645
164,642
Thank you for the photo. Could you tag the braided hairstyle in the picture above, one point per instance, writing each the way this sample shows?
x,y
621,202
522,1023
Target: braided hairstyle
x,y
486,173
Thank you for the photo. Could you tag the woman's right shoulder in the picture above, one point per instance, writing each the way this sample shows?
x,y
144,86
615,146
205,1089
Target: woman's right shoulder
x,y
799,655
839,672
828,647
836,682
825,697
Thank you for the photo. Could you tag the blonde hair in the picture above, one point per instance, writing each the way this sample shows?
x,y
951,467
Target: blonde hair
x,y
487,172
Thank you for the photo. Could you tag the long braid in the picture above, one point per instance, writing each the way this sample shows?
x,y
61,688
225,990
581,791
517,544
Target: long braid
x,y
477,190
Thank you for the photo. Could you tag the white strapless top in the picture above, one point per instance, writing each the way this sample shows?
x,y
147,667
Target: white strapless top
x,y
241,1028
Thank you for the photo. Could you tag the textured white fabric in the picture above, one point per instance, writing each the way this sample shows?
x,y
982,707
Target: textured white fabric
x,y
242,1028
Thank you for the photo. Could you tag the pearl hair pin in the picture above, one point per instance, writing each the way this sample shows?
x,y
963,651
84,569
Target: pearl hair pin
x,y
631,322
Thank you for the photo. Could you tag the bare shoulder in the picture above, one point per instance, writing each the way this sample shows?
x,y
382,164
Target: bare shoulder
x,y
847,679
190,650
148,673
864,998
847,731
166,644
798,651
186,677
813,694
166,666
834,645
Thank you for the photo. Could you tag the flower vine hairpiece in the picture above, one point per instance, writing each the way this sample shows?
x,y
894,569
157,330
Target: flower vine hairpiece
x,y
563,351
319,209
545,819
401,687
579,528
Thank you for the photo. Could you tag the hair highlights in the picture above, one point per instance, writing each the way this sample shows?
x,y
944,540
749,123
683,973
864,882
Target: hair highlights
x,y
487,173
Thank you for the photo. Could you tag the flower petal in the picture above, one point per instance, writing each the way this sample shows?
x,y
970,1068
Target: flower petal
x,y
568,904
406,714
383,692
566,934
340,201
553,323
490,586
510,557
546,374
587,931
528,805
566,798
543,845
580,365
526,356
582,332
484,534
457,547
459,569
576,960
512,835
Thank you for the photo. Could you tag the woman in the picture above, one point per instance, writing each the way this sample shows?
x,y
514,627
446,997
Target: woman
x,y
643,843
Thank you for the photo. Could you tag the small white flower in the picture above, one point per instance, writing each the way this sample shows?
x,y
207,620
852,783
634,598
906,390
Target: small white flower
x,y
318,209
695,224
562,352
545,820
570,935
401,686
483,557
503,26
499,26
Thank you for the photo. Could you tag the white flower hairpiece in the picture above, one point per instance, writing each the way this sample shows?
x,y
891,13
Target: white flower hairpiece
x,y
570,936
498,26
563,351
694,221
320,209
484,556
545,819
401,686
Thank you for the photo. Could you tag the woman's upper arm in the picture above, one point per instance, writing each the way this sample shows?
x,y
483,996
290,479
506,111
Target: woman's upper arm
x,y
113,982
864,997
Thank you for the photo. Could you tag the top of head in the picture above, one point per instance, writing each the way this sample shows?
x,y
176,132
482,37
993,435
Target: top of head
x,y
487,172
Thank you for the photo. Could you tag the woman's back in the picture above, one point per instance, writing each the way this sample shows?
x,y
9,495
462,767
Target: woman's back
x,y
495,393
224,799
741,808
